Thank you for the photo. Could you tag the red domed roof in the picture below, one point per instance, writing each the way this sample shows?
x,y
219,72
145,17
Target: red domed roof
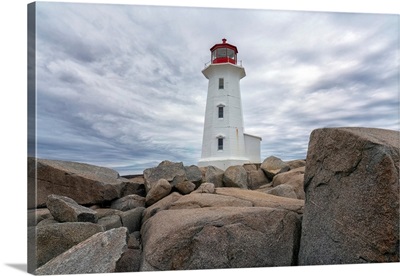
x,y
224,45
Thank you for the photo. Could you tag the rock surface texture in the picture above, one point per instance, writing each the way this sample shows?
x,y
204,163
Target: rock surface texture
x,y
260,199
352,197
98,254
283,190
293,178
207,238
86,184
256,178
235,176
54,239
159,190
194,175
128,202
65,209
213,175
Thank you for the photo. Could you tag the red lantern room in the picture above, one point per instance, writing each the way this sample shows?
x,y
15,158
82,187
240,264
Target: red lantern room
x,y
223,53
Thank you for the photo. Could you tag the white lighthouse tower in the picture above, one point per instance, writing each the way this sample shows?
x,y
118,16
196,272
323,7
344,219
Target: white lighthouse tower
x,y
224,141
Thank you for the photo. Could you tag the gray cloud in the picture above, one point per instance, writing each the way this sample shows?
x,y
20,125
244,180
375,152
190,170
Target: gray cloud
x,y
121,86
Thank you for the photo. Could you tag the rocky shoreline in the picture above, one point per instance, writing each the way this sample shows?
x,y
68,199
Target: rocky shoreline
x,y
339,206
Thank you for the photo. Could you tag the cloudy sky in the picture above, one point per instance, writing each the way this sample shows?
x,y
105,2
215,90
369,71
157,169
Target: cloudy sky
x,y
121,85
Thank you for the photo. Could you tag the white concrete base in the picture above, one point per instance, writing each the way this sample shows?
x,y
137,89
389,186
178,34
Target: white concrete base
x,y
222,164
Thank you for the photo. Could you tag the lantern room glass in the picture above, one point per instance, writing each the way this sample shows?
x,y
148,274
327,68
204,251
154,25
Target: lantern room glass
x,y
223,55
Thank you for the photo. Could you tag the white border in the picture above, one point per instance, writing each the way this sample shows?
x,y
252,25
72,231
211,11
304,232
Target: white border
x,y
13,122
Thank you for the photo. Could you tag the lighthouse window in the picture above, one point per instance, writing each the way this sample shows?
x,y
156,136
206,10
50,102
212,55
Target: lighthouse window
x,y
231,53
221,52
220,112
220,143
221,83
213,55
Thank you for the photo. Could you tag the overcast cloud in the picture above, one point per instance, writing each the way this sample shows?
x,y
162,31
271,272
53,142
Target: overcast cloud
x,y
121,85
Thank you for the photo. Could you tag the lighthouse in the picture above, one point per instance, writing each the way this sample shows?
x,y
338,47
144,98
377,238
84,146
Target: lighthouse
x,y
224,141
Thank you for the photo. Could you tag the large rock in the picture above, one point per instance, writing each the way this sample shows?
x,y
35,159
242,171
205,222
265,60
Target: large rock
x,y
54,239
352,197
273,165
214,175
174,173
65,209
235,176
158,191
86,184
210,238
256,179
98,254
194,175
133,185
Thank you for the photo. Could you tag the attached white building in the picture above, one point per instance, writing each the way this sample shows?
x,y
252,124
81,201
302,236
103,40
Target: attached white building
x,y
224,141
